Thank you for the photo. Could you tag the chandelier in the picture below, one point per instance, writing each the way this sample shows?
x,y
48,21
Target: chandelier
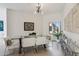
x,y
38,8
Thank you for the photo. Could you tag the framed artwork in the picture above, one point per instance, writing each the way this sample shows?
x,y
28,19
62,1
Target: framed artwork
x,y
28,26
1,25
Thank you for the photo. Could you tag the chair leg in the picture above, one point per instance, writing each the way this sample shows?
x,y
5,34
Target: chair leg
x,y
36,50
23,52
5,52
44,45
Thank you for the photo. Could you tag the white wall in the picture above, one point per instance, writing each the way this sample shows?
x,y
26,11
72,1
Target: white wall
x,y
16,21
38,23
3,34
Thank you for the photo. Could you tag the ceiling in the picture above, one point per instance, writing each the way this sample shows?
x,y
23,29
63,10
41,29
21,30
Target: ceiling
x,y
31,7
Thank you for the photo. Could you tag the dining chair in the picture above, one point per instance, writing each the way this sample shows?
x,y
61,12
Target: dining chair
x,y
10,46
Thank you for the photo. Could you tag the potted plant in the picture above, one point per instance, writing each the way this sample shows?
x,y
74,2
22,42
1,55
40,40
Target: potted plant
x,y
57,34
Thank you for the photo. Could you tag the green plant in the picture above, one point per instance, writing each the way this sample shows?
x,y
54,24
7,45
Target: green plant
x,y
57,34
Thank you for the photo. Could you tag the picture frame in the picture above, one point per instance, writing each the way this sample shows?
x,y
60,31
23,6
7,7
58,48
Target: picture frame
x,y
28,26
1,25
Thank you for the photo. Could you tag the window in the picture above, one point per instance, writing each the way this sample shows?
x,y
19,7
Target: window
x,y
54,26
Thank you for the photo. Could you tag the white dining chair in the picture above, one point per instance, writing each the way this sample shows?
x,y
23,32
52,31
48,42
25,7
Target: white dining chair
x,y
10,46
